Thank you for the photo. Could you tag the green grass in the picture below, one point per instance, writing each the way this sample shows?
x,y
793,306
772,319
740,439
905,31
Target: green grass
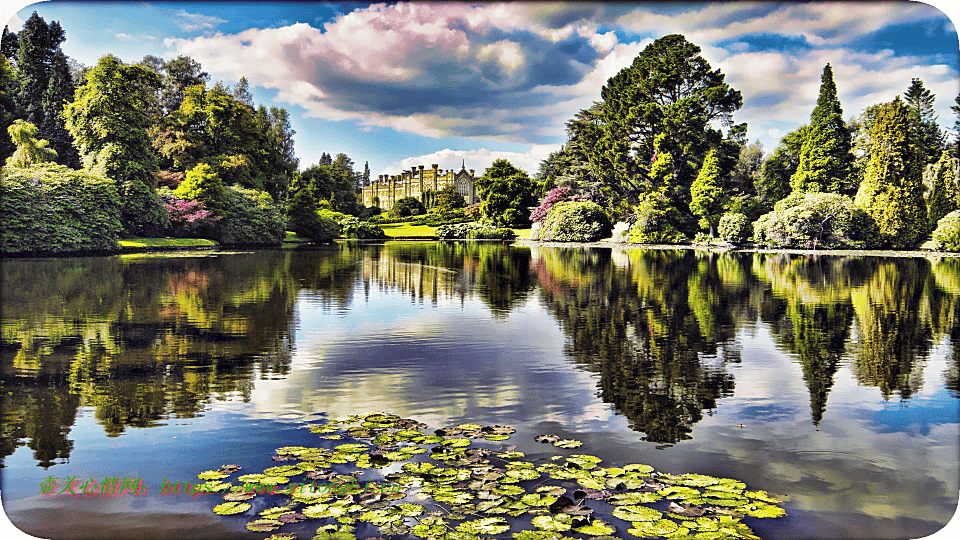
x,y
394,230
291,238
522,233
133,243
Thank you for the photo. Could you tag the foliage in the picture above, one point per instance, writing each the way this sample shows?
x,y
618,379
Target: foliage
x,y
473,231
825,158
351,227
37,44
141,209
930,140
204,185
773,183
303,218
735,228
7,107
334,182
575,221
554,196
434,219
189,218
746,174
749,205
407,206
671,90
29,150
59,92
706,197
655,221
50,208
506,194
816,220
943,192
892,190
946,237
250,217
446,199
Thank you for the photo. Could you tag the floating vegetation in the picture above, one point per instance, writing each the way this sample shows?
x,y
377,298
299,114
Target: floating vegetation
x,y
456,490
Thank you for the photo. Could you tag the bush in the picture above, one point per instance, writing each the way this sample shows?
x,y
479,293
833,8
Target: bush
x,y
141,210
474,231
734,228
434,219
189,219
621,232
408,206
555,196
575,221
811,220
447,199
204,185
49,208
655,221
251,218
351,227
947,235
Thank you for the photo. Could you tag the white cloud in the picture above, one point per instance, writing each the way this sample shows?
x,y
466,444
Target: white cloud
x,y
191,22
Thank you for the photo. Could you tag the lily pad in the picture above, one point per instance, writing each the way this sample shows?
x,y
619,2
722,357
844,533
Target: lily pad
x,y
546,438
335,532
456,443
647,529
568,443
229,508
559,522
635,513
596,527
212,475
491,525
264,525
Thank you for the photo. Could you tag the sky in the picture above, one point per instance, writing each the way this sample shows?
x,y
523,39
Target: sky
x,y
406,84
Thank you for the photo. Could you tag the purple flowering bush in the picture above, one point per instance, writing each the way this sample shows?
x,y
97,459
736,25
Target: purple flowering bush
x,y
554,196
189,218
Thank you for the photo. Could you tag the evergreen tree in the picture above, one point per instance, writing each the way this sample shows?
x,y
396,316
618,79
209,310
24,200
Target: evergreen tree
x,y
9,44
825,157
943,194
956,126
325,159
930,138
773,183
366,173
7,108
59,92
892,188
506,194
38,43
706,197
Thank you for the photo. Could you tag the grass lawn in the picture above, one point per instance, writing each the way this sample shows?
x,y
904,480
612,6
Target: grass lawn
x,y
522,233
135,243
394,230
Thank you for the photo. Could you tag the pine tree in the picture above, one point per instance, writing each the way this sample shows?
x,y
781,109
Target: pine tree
x,y
38,43
892,188
7,108
366,173
956,126
59,92
706,197
943,194
825,158
931,139
9,44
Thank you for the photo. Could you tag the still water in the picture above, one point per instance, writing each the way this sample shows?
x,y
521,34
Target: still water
x,y
832,380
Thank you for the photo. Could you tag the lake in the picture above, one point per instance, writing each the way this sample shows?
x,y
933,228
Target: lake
x,y
832,380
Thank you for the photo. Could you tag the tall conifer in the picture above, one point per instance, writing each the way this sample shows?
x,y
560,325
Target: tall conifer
x,y
931,139
825,157
59,92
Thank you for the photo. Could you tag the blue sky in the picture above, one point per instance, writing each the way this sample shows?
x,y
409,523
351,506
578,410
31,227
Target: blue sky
x,y
405,84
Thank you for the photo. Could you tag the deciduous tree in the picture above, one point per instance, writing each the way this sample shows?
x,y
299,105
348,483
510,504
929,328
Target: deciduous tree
x,y
706,197
506,194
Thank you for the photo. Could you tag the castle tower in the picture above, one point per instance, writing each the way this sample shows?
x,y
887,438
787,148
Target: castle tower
x,y
436,173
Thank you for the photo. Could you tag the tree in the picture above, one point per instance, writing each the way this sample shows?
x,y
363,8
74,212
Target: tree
x,y
303,217
773,183
943,194
59,92
747,170
506,194
366,173
203,184
447,198
179,74
669,89
956,126
241,92
892,188
706,197
407,206
9,44
7,107
825,157
30,151
921,100
38,43
108,120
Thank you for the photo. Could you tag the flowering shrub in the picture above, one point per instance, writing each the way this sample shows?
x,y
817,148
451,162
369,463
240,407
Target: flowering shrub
x,y
170,179
947,235
734,228
554,196
189,218
575,221
351,227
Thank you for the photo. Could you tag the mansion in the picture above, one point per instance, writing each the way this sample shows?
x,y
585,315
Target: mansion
x,y
388,189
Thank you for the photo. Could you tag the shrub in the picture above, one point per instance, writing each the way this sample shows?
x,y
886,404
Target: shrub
x,y
141,210
351,227
655,222
251,218
407,206
734,228
810,220
447,199
474,231
434,219
621,232
947,235
575,221
204,185
554,196
170,179
189,219
49,208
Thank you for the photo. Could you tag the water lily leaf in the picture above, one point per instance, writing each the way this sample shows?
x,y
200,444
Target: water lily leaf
x,y
335,437
495,437
212,475
765,497
381,517
230,468
638,467
552,490
558,522
510,455
762,510
646,529
469,427
361,433
335,532
395,528
509,490
592,483
678,492
284,470
351,448
698,480
452,497
239,496
539,535
490,525
546,438
427,439
250,478
229,508
591,493
636,513
292,517
456,443
685,510
634,497
523,474
577,510
584,461
430,529
264,525
568,443
596,527
487,505
446,432
214,486
282,536
323,428
538,499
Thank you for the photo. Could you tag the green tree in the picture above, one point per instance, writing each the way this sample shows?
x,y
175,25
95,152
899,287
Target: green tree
x,y
179,74
30,151
506,194
303,217
943,194
669,89
334,182
407,206
747,171
892,188
931,139
447,198
956,126
38,42
825,157
203,184
108,120
7,108
59,92
9,44
773,184
706,197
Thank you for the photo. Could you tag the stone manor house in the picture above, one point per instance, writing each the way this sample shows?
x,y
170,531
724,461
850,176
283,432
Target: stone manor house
x,y
388,189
